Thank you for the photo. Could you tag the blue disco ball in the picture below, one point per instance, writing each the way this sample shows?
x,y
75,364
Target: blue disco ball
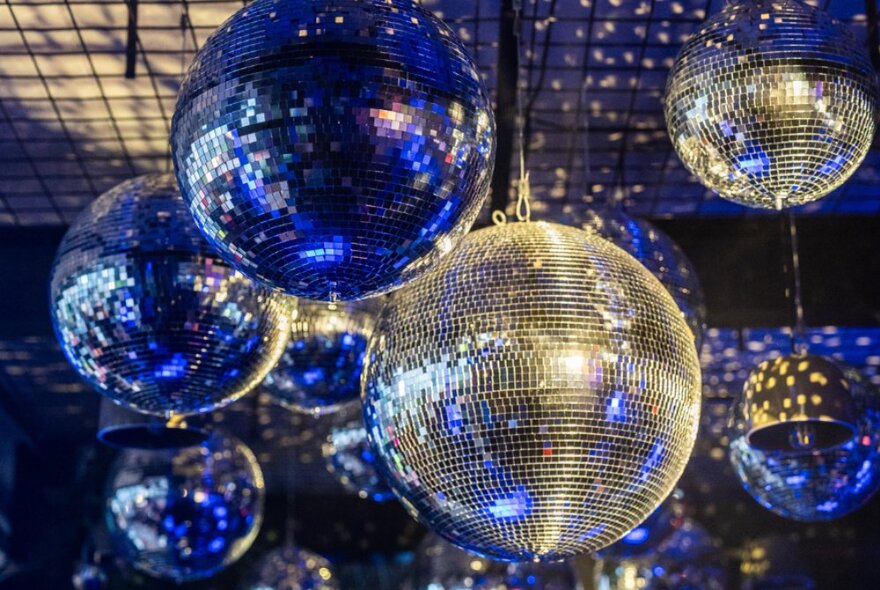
x,y
534,397
333,149
90,576
656,251
439,565
814,485
187,514
649,535
351,460
150,316
320,370
292,568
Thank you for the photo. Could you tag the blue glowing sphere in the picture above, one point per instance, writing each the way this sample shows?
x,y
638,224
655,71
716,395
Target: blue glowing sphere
x,y
186,514
352,461
815,485
652,533
534,397
656,251
150,316
292,568
320,370
333,149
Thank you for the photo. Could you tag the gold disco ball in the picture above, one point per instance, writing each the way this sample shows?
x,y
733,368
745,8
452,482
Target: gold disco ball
x,y
536,396
771,103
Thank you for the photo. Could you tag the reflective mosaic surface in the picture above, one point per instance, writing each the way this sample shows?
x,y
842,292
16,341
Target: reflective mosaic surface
x,y
536,396
655,250
187,514
440,565
820,484
333,148
352,461
292,568
320,370
772,103
150,316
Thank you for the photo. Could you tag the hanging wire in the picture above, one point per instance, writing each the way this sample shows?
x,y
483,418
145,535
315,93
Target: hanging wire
x,y
793,290
523,186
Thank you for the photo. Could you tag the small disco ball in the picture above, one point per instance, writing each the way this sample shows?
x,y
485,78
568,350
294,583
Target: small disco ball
x,y
772,103
90,576
185,514
532,348
440,565
292,568
656,251
818,484
320,370
333,149
351,460
150,316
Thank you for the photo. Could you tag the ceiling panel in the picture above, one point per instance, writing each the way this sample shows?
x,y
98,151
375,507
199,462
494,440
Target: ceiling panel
x,y
72,125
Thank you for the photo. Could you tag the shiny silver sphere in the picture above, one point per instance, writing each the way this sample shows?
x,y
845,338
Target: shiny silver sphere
x,y
292,568
656,251
333,149
772,103
150,316
187,514
320,370
536,396
814,484
351,460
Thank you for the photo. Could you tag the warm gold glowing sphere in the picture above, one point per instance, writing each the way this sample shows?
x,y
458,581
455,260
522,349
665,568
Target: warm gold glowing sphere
x,y
536,396
771,103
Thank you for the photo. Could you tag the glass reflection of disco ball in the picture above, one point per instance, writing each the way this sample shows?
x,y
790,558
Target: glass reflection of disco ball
x,y
657,252
532,348
440,565
352,461
650,534
819,484
791,117
150,316
320,370
291,568
185,514
333,148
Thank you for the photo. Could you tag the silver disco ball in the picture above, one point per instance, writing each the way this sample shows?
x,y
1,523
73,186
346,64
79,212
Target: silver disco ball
x,y
536,396
818,484
656,251
186,514
320,370
333,149
150,316
440,565
292,568
351,460
771,103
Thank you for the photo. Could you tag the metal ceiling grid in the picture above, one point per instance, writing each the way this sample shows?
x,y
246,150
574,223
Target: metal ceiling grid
x,y
72,125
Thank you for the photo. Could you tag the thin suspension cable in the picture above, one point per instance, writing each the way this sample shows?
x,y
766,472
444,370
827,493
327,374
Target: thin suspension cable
x,y
793,290
523,206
